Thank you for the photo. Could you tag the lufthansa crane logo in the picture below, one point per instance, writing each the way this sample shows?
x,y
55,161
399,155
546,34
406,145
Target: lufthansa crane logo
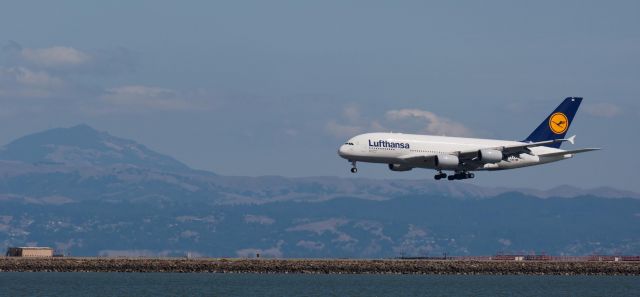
x,y
559,123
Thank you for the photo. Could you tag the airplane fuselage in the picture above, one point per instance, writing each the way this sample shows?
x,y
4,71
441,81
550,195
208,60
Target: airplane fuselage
x,y
390,148
403,152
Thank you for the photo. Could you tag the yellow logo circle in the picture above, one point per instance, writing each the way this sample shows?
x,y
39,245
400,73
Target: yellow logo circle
x,y
559,123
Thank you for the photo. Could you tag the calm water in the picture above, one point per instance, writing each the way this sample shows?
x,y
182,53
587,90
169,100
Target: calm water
x,y
168,284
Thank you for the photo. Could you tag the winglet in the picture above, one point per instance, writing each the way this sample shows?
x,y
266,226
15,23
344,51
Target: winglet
x,y
572,139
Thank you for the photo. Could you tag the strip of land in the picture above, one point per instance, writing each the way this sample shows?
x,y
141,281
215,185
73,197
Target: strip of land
x,y
318,266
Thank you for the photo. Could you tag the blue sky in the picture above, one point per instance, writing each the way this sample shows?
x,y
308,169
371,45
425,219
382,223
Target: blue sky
x,y
273,87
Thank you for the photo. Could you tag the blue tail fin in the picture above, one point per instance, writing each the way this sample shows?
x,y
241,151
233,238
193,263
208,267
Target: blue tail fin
x,y
556,125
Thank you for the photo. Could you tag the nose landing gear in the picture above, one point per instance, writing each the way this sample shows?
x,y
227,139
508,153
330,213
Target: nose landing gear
x,y
354,169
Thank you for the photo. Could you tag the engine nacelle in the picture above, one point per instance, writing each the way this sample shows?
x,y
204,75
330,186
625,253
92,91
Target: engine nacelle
x,y
399,167
489,156
446,162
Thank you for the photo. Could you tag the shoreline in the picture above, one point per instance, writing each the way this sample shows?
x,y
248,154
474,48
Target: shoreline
x,y
318,266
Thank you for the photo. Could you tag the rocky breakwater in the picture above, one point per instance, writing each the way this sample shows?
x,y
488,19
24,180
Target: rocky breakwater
x,y
319,266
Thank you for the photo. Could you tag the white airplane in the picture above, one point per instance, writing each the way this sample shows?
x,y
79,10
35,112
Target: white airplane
x,y
404,152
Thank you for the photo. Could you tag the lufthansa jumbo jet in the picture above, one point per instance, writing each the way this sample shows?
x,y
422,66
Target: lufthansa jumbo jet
x,y
403,152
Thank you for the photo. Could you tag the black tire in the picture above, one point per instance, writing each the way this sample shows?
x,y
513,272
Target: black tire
x,y
354,170
437,177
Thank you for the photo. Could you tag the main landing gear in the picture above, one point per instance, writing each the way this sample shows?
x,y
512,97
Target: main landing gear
x,y
354,169
456,176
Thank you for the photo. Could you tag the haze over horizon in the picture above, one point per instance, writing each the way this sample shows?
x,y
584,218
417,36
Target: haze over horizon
x,y
91,193
273,88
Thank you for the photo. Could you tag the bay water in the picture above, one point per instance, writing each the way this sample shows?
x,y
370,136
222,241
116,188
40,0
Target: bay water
x,y
205,284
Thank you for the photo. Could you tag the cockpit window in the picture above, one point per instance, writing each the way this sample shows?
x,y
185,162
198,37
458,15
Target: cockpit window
x,y
348,143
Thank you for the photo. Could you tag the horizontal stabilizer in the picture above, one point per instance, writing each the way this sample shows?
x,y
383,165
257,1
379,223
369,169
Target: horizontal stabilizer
x,y
571,152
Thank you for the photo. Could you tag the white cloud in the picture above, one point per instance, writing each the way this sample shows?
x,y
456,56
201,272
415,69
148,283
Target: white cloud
x,y
55,56
65,60
341,130
27,77
352,123
21,82
145,97
66,75
376,126
349,126
435,124
605,110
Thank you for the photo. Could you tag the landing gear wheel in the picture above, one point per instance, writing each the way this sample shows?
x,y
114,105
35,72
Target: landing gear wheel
x,y
353,166
459,176
440,176
470,175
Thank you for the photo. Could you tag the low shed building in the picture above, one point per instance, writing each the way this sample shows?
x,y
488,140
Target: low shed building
x,y
30,251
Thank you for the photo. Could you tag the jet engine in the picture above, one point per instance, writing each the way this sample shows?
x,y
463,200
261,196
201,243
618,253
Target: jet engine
x,y
399,167
489,156
446,162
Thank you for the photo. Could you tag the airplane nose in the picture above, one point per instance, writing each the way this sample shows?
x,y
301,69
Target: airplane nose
x,y
342,151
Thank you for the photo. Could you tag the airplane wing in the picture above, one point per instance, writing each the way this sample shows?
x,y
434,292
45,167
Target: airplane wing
x,y
571,152
506,150
418,158
522,148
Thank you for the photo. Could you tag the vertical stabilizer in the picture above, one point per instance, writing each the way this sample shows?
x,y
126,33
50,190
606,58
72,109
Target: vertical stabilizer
x,y
556,125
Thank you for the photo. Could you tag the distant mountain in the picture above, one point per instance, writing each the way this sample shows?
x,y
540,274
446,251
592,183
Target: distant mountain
x,y
87,192
84,146
570,191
